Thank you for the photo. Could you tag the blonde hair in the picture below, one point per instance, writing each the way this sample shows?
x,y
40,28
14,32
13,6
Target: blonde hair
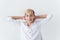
x,y
29,10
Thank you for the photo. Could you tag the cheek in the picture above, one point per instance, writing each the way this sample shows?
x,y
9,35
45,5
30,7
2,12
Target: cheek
x,y
32,18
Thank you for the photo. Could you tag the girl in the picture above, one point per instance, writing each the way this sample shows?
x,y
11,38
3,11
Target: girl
x,y
31,24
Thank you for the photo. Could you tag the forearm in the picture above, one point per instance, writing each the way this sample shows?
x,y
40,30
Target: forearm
x,y
17,17
41,16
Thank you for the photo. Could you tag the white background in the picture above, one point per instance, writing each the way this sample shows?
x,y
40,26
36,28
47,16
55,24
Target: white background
x,y
10,31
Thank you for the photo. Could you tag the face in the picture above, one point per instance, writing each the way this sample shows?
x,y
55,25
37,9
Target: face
x,y
29,16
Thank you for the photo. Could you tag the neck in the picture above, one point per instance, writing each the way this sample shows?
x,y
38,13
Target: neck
x,y
29,23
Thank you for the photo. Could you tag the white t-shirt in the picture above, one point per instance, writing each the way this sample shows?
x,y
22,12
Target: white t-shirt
x,y
33,32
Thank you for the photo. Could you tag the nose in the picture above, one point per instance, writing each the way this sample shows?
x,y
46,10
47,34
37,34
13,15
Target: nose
x,y
29,17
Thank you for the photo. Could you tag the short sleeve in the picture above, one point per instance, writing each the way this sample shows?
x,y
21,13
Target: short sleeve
x,y
45,20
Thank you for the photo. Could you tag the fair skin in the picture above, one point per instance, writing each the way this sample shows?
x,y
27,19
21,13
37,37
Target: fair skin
x,y
29,17
23,17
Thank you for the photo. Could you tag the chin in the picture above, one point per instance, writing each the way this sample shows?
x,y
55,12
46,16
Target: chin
x,y
30,21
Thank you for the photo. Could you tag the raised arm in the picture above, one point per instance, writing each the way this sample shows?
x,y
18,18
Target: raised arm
x,y
17,17
46,19
41,16
23,17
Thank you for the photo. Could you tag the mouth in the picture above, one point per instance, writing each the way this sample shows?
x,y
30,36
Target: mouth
x,y
30,20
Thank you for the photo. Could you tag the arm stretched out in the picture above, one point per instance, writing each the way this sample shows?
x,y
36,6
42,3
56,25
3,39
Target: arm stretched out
x,y
17,17
23,17
41,16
